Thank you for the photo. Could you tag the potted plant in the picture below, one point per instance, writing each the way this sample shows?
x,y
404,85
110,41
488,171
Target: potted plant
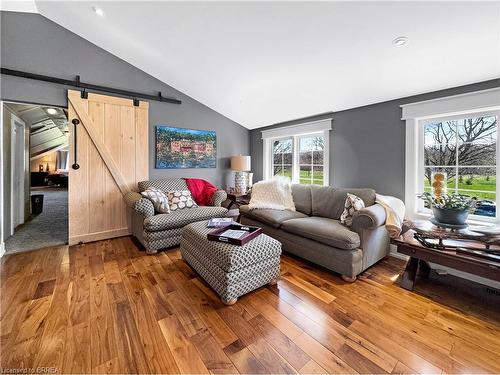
x,y
451,209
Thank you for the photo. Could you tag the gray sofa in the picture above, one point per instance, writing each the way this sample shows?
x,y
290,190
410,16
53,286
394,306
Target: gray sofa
x,y
314,231
160,231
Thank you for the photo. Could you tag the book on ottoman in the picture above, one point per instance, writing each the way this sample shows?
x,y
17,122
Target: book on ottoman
x,y
219,222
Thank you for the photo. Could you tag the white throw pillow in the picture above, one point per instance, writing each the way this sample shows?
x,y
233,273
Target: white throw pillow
x,y
272,194
159,200
352,204
180,200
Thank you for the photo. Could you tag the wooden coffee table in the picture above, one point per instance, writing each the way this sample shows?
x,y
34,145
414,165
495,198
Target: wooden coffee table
x,y
458,251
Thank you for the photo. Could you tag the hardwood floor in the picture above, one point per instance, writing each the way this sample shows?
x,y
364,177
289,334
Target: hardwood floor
x,y
106,307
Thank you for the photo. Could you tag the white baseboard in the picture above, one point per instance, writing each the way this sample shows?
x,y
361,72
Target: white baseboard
x,y
451,271
398,255
394,253
2,249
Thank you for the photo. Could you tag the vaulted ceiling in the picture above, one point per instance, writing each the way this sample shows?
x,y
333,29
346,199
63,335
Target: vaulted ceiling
x,y
260,63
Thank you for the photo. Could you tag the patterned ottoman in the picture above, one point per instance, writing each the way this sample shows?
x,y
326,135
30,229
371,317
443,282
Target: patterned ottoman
x,y
229,269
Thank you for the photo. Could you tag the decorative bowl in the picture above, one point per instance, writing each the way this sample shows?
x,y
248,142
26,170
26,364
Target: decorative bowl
x,y
448,216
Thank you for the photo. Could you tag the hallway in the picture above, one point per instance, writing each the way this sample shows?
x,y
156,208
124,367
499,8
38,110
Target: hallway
x,y
50,228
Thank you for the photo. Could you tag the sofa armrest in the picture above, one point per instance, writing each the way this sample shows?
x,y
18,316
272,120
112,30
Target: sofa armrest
x,y
219,197
139,204
369,217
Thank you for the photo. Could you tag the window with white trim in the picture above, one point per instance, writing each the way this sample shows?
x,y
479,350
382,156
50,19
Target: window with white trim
x,y
463,149
455,139
299,152
311,158
282,157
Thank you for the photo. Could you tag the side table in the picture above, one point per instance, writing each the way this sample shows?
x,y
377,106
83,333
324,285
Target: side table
x,y
464,253
237,200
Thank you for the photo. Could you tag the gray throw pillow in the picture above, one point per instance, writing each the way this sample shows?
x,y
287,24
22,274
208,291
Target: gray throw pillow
x,y
352,204
159,200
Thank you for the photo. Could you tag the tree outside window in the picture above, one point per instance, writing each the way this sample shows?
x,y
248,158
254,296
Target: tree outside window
x,y
301,158
283,157
311,150
465,149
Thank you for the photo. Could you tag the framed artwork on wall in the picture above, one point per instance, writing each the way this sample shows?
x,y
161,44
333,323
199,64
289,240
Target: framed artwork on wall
x,y
185,148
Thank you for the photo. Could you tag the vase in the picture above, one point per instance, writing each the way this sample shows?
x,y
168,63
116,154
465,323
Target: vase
x,y
450,216
240,182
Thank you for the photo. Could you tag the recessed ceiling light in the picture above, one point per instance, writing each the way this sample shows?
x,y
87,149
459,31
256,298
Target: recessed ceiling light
x,y
400,41
98,11
51,111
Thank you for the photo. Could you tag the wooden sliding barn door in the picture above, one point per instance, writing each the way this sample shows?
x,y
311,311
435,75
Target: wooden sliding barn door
x,y
112,154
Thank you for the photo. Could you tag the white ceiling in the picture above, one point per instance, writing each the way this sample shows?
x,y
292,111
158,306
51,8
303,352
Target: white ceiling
x,y
34,114
48,132
26,6
260,63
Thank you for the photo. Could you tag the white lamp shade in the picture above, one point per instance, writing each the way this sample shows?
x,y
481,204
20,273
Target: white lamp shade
x,y
241,163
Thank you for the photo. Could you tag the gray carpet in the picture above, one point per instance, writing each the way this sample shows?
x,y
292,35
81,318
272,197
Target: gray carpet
x,y
50,228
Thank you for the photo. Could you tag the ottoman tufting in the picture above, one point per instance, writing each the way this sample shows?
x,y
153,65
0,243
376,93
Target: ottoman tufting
x,y
229,269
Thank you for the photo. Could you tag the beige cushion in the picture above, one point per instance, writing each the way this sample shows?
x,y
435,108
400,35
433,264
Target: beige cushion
x,y
270,217
327,231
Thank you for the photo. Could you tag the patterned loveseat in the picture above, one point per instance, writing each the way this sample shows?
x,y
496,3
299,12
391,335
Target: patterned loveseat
x,y
159,231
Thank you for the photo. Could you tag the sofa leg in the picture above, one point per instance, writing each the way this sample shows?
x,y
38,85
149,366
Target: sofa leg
x,y
273,282
349,279
151,252
230,302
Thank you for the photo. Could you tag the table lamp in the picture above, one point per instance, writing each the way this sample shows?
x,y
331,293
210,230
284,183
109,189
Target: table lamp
x,y
241,164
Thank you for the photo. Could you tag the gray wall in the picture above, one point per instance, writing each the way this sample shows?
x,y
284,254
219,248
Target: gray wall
x,y
33,43
367,144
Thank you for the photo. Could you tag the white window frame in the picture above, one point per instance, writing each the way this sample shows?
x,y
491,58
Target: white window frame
x,y
321,127
478,103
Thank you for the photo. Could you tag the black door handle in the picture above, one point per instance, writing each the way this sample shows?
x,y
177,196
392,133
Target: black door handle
x,y
75,165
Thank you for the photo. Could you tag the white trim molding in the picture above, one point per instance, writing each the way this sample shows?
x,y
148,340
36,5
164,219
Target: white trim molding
x,y
301,129
17,164
477,102
296,131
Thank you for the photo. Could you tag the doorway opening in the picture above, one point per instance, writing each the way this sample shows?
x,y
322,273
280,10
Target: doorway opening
x,y
34,188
